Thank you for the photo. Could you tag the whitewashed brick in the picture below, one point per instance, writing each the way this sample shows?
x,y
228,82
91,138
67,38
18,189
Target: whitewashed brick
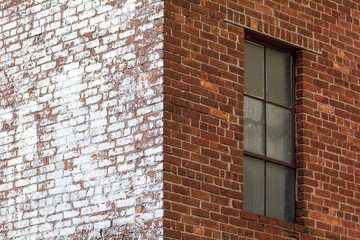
x,y
75,134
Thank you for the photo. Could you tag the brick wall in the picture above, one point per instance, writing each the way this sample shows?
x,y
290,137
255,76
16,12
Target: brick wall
x,y
203,117
119,119
81,119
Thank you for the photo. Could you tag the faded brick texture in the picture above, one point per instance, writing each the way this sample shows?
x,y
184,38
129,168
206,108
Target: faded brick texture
x,y
123,119
203,117
81,119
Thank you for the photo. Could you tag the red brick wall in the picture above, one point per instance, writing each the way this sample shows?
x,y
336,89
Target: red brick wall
x,y
203,124
90,147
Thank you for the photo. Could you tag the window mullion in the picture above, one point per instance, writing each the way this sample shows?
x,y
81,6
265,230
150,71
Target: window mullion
x,y
265,124
267,159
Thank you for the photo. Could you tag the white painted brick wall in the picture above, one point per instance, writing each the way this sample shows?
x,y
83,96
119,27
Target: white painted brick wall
x,y
80,120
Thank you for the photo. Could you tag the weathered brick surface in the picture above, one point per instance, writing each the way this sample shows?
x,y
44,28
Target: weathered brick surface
x,y
81,119
124,118
203,133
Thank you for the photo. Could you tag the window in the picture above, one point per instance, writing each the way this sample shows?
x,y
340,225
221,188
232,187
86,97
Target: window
x,y
269,162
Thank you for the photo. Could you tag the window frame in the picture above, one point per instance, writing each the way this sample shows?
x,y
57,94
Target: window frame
x,y
291,51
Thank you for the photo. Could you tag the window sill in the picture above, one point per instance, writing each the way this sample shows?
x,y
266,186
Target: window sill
x,y
264,220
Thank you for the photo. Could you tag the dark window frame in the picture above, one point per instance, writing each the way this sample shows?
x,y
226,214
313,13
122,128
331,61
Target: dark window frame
x,y
291,51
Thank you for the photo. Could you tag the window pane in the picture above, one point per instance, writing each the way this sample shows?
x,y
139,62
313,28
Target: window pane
x,y
253,185
254,69
278,75
280,192
278,133
254,126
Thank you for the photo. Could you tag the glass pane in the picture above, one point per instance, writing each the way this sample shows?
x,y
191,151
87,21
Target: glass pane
x,y
278,75
280,192
254,185
254,126
254,69
278,133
